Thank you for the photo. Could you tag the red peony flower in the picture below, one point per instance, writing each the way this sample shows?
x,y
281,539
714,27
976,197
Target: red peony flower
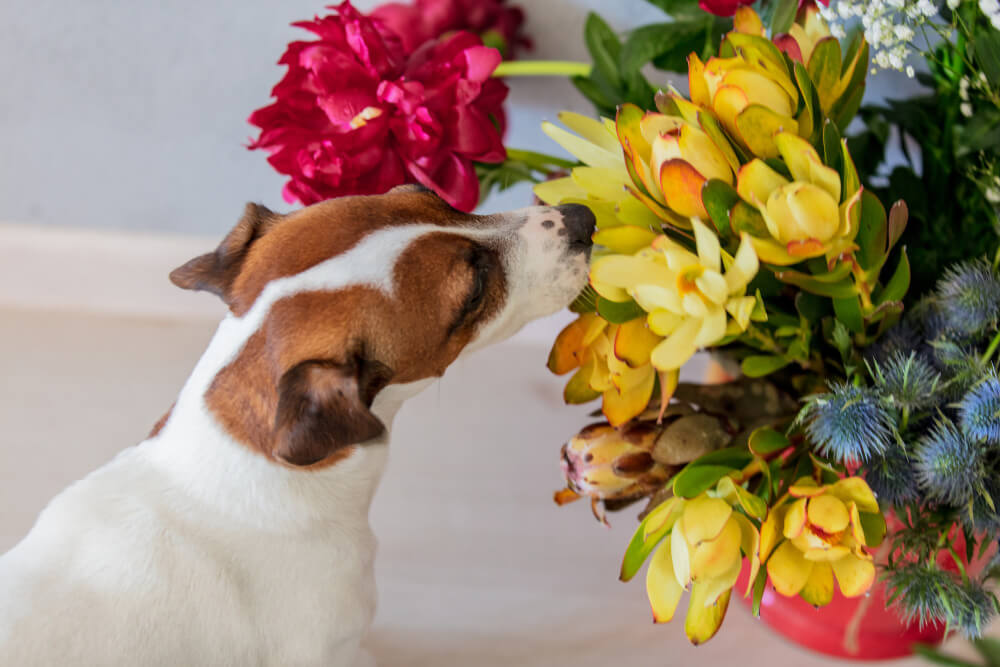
x,y
723,7
497,23
355,115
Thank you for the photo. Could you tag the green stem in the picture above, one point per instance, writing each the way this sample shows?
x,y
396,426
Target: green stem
x,y
540,160
990,350
958,562
541,68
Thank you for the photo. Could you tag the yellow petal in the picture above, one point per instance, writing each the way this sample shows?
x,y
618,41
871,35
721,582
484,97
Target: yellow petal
x,y
634,342
741,309
856,489
788,569
770,530
750,545
760,89
703,620
558,190
625,239
654,125
771,252
681,185
713,327
679,554
747,22
795,519
621,406
661,587
806,487
704,518
727,103
624,271
756,181
600,183
663,323
744,267
827,555
708,246
698,148
723,584
663,516
694,305
828,513
566,353
816,214
677,348
714,558
818,590
757,124
655,297
578,388
697,86
634,212
592,130
583,150
854,575
713,286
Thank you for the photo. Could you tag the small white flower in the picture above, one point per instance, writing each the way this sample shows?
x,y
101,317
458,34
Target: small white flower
x,y
927,8
989,7
837,30
995,20
966,109
993,195
963,89
909,71
953,4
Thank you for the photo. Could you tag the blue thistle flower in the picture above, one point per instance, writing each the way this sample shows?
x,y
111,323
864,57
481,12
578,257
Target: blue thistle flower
x,y
973,611
968,297
909,380
902,338
985,512
979,411
922,592
949,466
892,478
848,424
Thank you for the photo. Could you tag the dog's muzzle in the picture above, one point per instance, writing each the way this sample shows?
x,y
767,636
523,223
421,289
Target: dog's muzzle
x,y
579,222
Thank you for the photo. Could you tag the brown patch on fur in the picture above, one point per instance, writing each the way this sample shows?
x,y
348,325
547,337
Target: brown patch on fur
x,y
301,388
161,422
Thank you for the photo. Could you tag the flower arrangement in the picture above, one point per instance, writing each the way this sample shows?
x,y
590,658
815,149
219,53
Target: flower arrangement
x,y
762,215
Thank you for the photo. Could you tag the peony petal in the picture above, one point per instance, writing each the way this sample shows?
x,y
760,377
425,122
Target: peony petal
x,y
788,569
661,586
854,575
818,590
703,619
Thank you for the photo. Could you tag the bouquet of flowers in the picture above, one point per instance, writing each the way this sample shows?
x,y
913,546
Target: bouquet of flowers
x,y
750,211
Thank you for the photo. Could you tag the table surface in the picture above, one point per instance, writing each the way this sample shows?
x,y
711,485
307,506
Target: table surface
x,y
476,565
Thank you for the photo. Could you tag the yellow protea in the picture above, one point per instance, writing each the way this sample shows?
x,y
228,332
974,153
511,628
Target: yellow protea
x,y
816,533
803,36
690,300
612,361
702,544
751,92
807,216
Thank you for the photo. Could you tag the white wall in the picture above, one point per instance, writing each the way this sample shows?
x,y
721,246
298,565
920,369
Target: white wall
x,y
132,113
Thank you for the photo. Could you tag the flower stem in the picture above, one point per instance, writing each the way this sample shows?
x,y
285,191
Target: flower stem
x,y
990,350
541,68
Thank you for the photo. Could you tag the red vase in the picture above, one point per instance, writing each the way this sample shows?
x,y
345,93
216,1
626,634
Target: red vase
x,y
861,628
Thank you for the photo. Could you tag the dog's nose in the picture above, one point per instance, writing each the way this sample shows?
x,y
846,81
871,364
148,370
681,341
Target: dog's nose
x,y
579,222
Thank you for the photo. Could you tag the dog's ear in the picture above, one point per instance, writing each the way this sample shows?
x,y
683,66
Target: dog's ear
x,y
215,271
324,406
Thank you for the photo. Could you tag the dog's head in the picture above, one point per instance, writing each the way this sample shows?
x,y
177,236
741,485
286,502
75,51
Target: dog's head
x,y
353,295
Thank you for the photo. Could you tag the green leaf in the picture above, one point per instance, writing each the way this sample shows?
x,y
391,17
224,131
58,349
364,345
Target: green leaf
x,y
897,286
898,216
766,440
873,526
872,231
849,175
832,152
719,198
810,103
745,218
986,50
848,311
838,290
932,654
596,95
758,591
618,312
824,70
696,479
652,42
759,365
784,15
679,8
846,108
604,48
734,457
640,547
585,302
812,307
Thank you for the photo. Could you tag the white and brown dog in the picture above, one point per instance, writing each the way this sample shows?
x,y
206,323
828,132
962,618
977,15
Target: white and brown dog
x,y
237,533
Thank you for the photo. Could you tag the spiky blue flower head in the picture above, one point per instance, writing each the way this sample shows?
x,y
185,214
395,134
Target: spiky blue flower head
x,y
848,424
949,466
984,515
909,380
973,611
901,338
892,478
968,297
922,591
979,411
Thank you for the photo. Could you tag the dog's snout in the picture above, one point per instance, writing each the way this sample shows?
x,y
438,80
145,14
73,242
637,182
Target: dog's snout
x,y
579,222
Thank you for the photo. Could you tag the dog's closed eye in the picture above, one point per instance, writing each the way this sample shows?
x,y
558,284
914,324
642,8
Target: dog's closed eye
x,y
481,262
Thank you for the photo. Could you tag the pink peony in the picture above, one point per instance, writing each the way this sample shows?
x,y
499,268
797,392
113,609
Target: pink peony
x,y
497,23
355,115
723,7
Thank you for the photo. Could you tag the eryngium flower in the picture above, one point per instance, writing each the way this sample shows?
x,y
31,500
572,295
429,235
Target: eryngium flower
x,y
969,297
848,424
921,591
974,610
949,466
892,478
909,380
355,114
984,515
979,411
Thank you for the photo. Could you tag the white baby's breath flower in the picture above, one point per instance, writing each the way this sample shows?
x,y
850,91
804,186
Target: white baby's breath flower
x,y
966,109
910,71
838,31
995,21
989,7
993,195
953,4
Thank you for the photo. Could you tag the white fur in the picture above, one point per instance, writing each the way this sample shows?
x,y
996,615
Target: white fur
x,y
189,549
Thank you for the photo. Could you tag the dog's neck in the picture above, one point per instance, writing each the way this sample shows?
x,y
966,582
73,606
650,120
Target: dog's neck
x,y
210,466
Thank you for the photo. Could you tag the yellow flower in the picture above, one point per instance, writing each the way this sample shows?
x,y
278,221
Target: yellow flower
x,y
702,543
689,299
805,35
816,533
751,92
612,362
806,217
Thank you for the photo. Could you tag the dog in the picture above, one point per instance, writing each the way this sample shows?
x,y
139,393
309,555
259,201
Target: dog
x,y
238,533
